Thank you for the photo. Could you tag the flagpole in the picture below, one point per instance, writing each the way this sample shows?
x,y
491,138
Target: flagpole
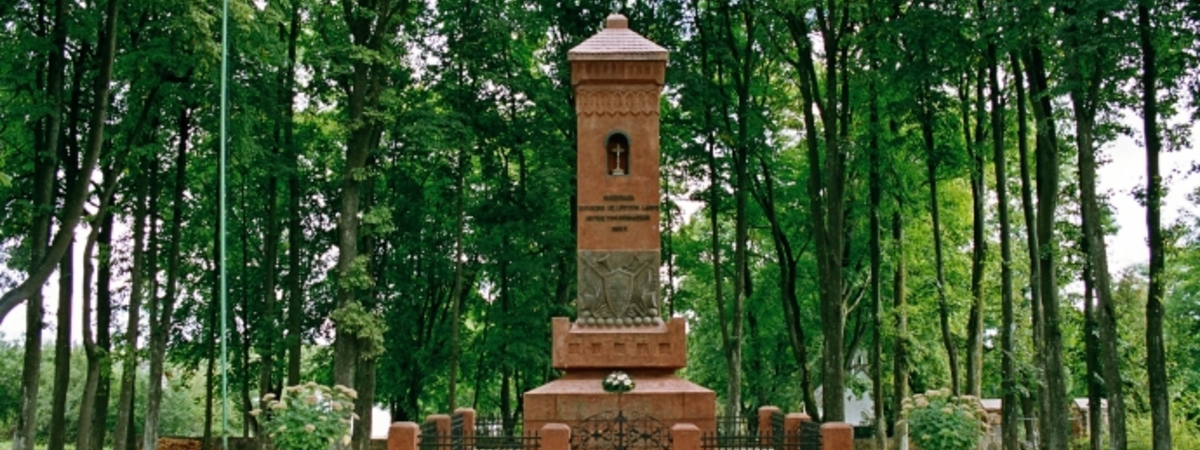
x,y
224,207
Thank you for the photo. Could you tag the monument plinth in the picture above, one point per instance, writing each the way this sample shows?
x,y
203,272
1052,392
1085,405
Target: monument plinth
x,y
617,76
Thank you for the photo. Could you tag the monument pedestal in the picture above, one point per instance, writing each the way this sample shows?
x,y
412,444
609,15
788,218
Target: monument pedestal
x,y
649,355
617,77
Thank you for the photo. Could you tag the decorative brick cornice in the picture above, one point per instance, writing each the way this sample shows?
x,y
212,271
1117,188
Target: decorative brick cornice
x,y
617,102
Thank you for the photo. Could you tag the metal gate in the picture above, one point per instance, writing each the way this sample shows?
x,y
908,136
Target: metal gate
x,y
620,430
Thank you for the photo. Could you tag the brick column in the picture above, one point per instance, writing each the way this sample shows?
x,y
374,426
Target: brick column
x,y
791,428
685,436
556,436
837,436
764,424
403,436
443,428
468,423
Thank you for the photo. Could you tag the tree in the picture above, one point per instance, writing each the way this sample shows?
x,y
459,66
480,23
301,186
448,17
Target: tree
x,y
1086,74
1008,386
827,184
1156,364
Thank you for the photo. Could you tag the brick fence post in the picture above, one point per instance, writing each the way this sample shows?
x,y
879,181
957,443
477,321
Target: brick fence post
x,y
765,430
442,422
791,428
403,436
468,423
556,436
837,436
685,436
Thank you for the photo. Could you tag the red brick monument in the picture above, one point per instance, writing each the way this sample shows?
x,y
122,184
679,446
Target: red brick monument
x,y
617,76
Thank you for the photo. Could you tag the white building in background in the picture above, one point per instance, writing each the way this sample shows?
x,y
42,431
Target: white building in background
x,y
860,408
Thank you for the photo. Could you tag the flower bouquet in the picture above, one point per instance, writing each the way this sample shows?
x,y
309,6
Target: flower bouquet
x,y
618,382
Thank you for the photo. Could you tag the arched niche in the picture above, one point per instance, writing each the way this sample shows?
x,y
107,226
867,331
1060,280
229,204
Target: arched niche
x,y
618,154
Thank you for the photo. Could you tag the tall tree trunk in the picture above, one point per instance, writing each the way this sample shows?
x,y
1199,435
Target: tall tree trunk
x,y
714,207
369,26
365,385
211,335
103,334
931,166
62,341
87,401
833,305
975,324
742,75
125,414
876,190
787,287
295,229
456,294
1031,236
1008,377
98,359
1100,278
47,134
826,192
268,328
1085,99
1091,357
62,352
1156,362
161,324
900,388
1054,421
246,331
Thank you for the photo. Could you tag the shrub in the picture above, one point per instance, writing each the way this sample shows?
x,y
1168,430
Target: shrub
x,y
938,421
309,416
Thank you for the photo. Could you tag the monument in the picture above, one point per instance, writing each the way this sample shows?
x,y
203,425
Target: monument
x,y
617,76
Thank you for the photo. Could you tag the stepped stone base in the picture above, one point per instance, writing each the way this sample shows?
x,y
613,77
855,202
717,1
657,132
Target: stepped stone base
x,y
659,394
649,354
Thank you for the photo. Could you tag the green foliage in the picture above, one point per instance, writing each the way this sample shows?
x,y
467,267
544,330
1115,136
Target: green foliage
x,y
10,387
184,392
354,320
477,151
938,421
1185,433
309,416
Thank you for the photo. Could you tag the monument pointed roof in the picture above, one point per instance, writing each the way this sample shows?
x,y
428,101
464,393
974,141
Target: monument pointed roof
x,y
617,42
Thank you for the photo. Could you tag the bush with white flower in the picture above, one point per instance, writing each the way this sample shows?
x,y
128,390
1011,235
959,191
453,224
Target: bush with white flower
x,y
618,382
939,421
308,416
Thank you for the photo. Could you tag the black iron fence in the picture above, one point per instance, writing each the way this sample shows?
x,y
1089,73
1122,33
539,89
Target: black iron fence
x,y
488,435
808,437
745,434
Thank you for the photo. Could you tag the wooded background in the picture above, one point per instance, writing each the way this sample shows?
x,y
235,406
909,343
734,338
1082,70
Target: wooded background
x,y
885,196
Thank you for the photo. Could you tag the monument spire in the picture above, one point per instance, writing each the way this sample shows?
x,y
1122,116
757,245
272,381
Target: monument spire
x,y
617,76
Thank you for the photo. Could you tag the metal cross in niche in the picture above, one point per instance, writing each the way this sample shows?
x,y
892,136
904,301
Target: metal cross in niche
x,y
618,154
618,150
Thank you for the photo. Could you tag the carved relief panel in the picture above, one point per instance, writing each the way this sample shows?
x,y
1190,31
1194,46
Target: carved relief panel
x,y
618,288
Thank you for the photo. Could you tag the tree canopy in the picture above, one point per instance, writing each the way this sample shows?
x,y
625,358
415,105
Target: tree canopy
x,y
879,197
